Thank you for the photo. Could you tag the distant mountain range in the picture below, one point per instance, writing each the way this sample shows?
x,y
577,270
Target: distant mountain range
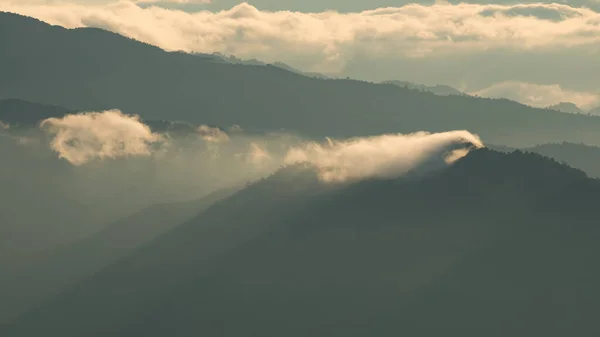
x,y
441,90
16,112
218,57
566,107
581,156
595,111
92,69
572,108
510,248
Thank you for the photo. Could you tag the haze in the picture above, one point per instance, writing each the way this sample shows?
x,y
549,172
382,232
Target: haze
x,y
299,168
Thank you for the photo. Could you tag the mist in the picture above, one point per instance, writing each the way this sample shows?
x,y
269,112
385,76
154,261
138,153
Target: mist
x,y
77,174
385,156
109,134
73,176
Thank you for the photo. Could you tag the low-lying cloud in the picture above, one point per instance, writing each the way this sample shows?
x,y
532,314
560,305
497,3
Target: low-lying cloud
x,y
211,134
81,138
400,40
185,2
91,136
539,95
258,155
84,137
385,156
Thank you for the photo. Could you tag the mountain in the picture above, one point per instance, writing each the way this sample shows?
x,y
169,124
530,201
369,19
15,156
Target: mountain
x,y
18,112
495,245
581,156
500,148
254,62
92,69
34,278
294,70
595,111
567,107
441,90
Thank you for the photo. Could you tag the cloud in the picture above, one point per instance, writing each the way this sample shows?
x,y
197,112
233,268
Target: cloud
x,y
333,42
85,137
258,155
213,135
104,2
235,129
19,139
385,156
89,136
539,95
183,2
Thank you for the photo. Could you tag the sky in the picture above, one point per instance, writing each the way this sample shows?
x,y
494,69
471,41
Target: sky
x,y
536,53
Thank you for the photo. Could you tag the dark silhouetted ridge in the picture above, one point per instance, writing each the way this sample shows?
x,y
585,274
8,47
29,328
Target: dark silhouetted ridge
x,y
584,157
19,112
497,244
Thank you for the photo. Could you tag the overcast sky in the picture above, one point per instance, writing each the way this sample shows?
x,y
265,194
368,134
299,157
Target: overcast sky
x,y
539,54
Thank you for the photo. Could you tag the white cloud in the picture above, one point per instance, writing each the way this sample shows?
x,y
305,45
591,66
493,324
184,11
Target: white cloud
x,y
539,95
214,135
258,155
327,41
89,136
174,1
103,2
385,156
81,138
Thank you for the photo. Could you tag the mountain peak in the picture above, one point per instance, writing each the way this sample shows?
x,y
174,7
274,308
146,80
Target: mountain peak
x,y
439,89
595,111
523,164
567,107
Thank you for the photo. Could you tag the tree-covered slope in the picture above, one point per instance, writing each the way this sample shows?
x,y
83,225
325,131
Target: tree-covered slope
x,y
495,245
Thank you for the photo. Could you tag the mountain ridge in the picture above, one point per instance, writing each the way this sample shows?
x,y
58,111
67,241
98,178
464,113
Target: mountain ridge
x,y
20,112
91,69
267,254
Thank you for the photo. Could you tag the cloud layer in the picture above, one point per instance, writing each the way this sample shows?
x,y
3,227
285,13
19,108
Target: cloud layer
x,y
211,134
332,42
98,135
385,156
173,1
92,136
85,137
539,95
